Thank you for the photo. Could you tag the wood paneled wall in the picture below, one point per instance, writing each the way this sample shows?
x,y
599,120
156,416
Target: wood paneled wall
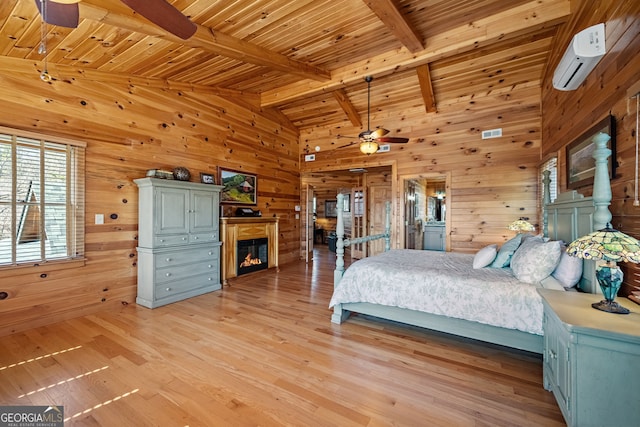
x,y
607,90
130,128
494,181
327,185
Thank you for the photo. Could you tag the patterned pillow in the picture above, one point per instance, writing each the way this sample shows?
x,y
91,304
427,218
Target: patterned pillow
x,y
485,256
506,251
535,259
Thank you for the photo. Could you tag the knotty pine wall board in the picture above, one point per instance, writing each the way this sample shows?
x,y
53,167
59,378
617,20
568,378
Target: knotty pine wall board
x,y
128,130
493,181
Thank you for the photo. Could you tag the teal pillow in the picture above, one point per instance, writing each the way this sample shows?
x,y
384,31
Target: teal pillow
x,y
506,252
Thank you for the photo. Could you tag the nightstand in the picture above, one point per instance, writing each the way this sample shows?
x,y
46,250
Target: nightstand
x,y
592,359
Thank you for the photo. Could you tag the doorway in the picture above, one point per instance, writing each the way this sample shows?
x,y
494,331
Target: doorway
x,y
425,219
356,183
412,221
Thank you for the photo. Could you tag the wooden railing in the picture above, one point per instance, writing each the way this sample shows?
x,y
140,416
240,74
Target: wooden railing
x,y
341,242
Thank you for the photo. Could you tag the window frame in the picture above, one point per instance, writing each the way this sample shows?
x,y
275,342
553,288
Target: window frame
x,y
551,164
74,152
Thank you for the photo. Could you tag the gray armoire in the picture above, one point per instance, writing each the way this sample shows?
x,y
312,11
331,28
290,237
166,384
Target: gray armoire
x,y
178,240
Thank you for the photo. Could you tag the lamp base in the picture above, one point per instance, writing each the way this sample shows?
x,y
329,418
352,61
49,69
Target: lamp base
x,y
610,307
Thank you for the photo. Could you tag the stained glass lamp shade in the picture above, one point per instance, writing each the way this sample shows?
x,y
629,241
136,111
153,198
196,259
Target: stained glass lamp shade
x,y
612,246
521,226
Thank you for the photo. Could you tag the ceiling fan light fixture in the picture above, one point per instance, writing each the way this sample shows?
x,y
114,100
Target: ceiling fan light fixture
x,y
368,147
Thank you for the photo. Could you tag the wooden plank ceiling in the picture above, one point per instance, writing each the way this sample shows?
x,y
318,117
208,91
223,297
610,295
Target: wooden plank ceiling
x,y
306,59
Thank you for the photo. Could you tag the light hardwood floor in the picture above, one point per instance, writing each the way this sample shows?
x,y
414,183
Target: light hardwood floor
x,y
263,352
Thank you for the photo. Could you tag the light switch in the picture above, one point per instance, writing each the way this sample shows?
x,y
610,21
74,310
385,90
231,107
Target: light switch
x,y
99,218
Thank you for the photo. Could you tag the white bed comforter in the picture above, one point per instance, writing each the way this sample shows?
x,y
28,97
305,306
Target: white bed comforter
x,y
443,283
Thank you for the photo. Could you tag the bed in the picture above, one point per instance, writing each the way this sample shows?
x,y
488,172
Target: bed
x,y
443,292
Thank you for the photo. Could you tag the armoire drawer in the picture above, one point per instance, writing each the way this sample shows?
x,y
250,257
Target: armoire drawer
x,y
175,258
186,284
179,272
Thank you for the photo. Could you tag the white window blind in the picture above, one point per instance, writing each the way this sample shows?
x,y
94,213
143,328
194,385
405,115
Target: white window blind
x,y
41,199
550,165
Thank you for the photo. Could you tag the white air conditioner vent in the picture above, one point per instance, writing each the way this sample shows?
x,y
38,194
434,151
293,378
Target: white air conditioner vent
x,y
582,55
492,133
384,148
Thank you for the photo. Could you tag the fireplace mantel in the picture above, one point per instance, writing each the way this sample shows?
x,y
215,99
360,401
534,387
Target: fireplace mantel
x,y
233,229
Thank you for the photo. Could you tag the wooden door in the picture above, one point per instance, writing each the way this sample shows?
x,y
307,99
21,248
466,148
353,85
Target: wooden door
x,y
410,214
359,221
378,196
307,224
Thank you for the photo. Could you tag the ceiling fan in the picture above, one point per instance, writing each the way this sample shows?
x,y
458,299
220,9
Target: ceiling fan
x,y
370,139
65,13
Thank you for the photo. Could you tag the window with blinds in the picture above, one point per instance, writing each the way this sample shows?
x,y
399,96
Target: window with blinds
x,y
550,165
41,199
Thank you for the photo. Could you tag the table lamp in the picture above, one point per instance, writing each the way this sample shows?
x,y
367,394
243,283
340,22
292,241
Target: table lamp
x,y
521,225
612,246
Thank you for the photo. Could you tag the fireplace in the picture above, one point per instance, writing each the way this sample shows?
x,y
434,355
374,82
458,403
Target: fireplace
x,y
252,229
252,255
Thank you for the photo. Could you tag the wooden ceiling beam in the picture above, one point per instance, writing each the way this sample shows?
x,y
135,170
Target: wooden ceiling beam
x,y
68,72
209,41
424,78
347,106
391,17
511,23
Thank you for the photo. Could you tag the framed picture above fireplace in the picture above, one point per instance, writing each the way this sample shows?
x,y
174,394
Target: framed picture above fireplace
x,y
240,188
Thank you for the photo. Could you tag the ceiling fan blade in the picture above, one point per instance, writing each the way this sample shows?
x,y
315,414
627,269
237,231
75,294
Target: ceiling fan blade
x,y
164,15
348,145
62,15
379,132
393,139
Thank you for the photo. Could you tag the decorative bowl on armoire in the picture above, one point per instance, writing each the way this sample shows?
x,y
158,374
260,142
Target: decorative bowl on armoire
x,y
181,174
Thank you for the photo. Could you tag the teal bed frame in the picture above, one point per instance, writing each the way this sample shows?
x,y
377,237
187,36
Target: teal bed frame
x,y
570,216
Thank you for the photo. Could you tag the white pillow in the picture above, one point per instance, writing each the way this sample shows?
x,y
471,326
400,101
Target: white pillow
x,y
569,270
485,256
534,260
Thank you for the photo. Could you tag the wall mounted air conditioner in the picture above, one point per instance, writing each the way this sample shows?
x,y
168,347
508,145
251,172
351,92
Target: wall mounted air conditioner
x,y
584,52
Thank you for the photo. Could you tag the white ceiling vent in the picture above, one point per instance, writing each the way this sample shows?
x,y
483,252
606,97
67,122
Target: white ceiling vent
x,y
492,133
384,148
309,157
